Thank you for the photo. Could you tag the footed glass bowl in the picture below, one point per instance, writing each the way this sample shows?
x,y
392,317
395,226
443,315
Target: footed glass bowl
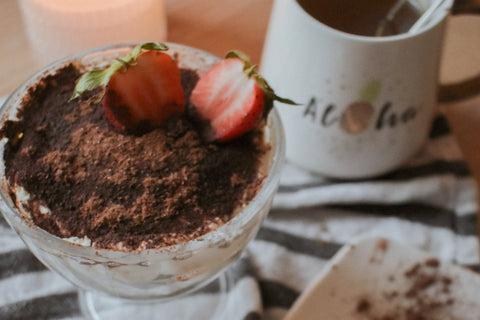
x,y
144,275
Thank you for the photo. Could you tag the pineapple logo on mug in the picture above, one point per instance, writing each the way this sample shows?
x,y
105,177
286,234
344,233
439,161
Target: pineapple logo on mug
x,y
360,114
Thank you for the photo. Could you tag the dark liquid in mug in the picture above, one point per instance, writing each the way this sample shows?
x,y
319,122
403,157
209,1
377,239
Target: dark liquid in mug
x,y
361,17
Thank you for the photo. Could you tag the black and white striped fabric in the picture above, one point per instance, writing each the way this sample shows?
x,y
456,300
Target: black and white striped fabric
x,y
430,204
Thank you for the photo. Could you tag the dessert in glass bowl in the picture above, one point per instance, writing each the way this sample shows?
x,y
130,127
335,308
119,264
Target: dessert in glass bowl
x,y
121,200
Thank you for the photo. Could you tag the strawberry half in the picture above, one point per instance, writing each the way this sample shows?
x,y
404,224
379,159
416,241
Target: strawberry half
x,y
233,97
142,90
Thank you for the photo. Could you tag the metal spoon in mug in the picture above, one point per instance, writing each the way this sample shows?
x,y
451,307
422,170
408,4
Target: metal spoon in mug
x,y
424,18
389,17
420,23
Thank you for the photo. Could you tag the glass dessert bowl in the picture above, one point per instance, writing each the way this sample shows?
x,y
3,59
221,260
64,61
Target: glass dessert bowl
x,y
142,274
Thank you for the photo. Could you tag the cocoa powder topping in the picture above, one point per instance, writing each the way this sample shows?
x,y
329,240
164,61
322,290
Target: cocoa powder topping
x,y
161,188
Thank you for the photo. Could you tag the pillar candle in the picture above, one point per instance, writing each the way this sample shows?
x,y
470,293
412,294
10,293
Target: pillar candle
x,y
57,28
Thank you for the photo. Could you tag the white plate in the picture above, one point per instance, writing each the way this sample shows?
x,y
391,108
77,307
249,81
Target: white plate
x,y
377,279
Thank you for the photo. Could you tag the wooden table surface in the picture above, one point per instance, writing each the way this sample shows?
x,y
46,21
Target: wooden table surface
x,y
213,25
220,25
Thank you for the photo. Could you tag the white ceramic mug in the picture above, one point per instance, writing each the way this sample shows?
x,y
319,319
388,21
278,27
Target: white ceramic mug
x,y
367,102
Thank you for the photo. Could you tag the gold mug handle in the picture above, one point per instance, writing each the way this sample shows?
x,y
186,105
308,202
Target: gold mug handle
x,y
469,87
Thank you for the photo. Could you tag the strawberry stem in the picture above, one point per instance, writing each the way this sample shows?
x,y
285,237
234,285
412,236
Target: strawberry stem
x,y
249,70
240,55
96,78
125,63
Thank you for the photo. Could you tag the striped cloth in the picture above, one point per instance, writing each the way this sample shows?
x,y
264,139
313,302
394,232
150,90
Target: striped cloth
x,y
430,204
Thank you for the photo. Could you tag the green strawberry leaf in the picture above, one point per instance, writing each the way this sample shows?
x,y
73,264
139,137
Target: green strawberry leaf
x,y
99,78
242,56
270,95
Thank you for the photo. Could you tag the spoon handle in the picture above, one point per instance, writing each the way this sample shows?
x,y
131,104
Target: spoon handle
x,y
425,16
389,17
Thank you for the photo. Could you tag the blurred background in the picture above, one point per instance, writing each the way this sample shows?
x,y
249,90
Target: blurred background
x,y
213,25
218,26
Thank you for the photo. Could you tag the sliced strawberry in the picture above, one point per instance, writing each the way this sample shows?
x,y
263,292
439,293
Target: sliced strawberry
x,y
145,94
232,97
143,89
231,101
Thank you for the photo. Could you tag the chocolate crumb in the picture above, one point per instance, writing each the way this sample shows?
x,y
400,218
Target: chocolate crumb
x,y
421,283
363,305
412,270
382,244
432,262
425,297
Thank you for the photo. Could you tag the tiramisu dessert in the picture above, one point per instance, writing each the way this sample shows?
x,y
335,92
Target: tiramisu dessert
x,y
154,150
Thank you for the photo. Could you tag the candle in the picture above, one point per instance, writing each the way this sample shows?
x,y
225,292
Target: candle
x,y
57,28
